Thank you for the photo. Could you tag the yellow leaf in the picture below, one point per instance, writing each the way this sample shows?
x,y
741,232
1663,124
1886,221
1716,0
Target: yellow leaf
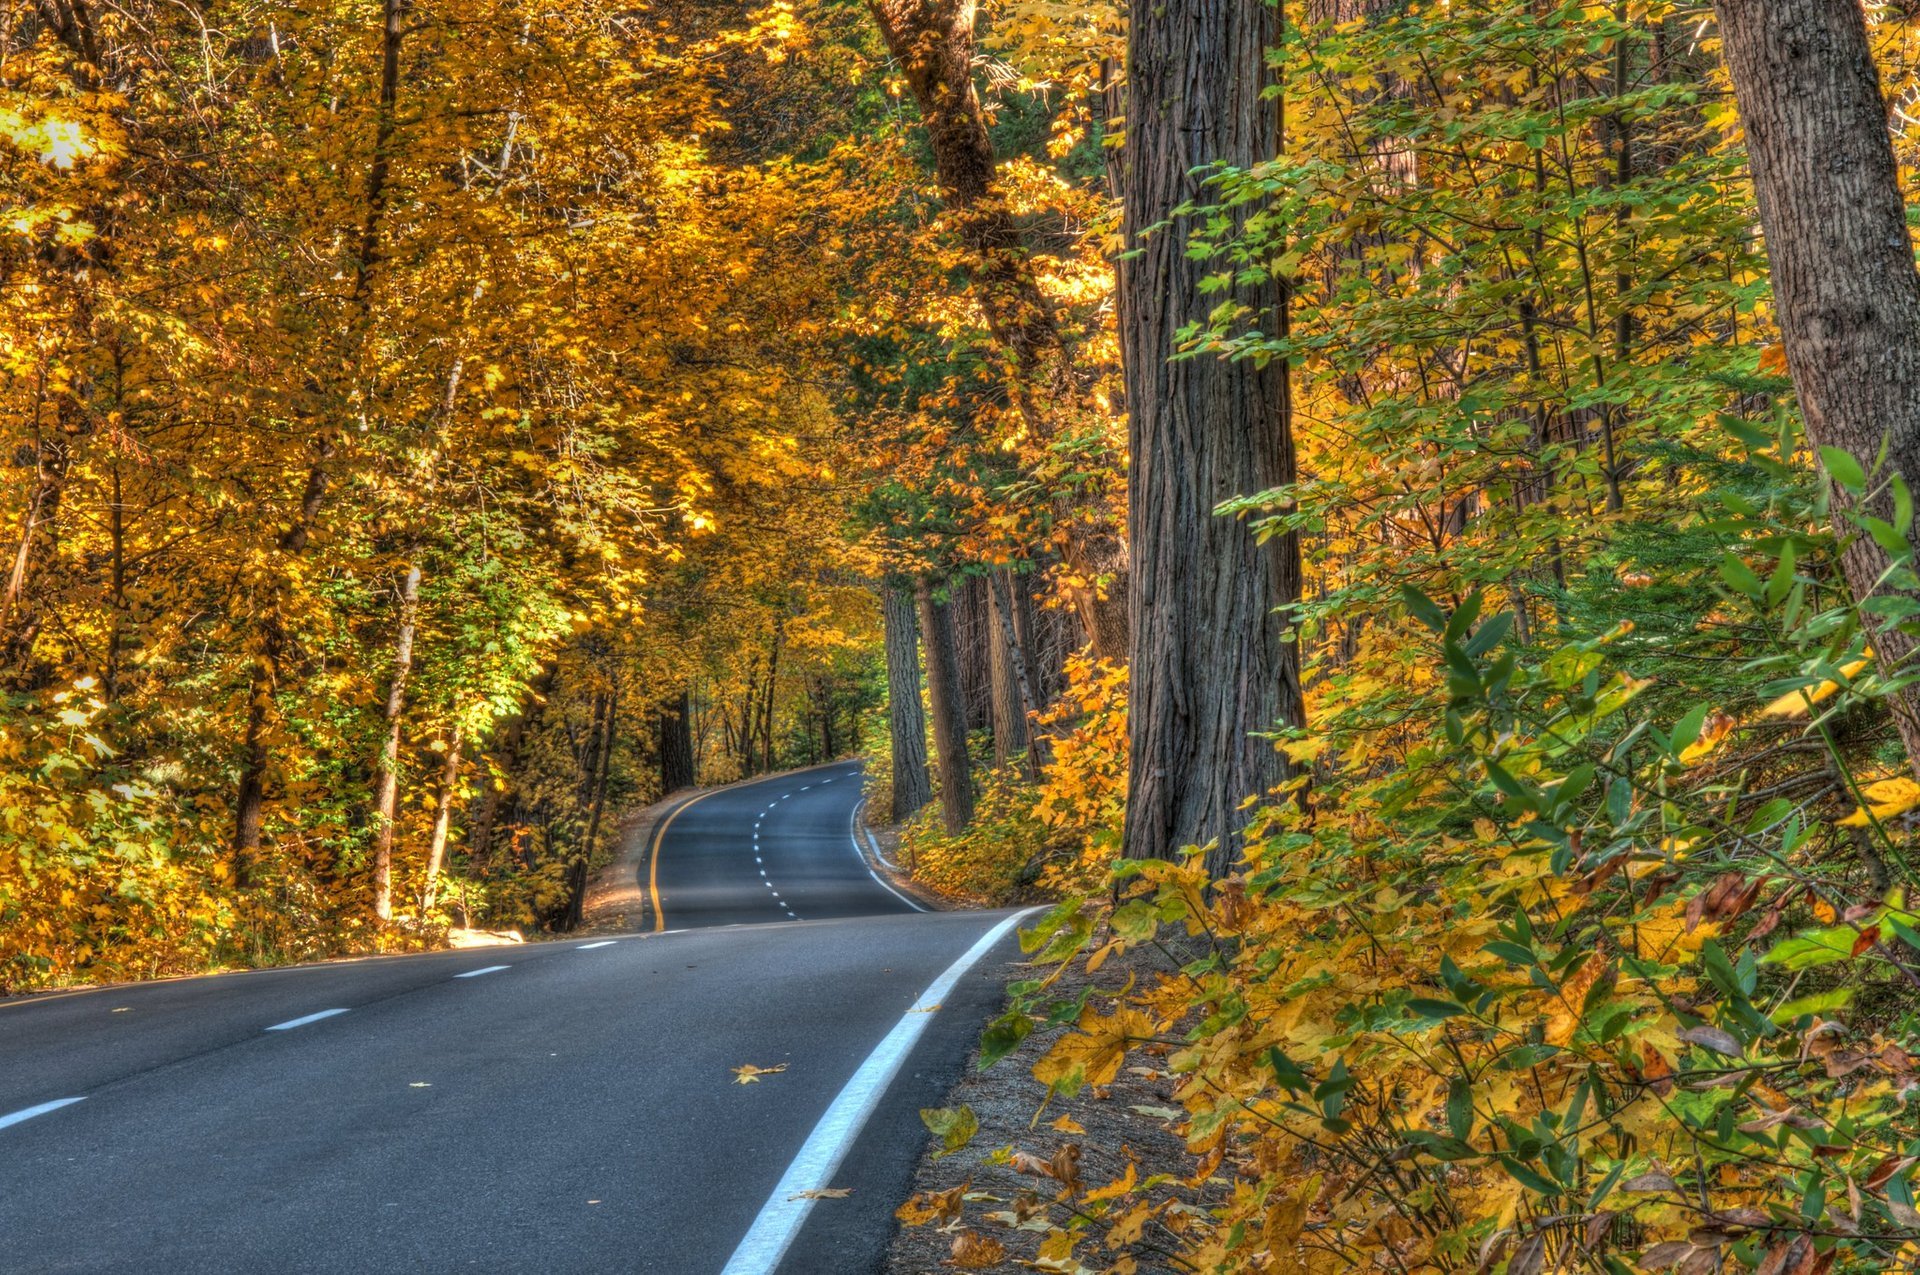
x,y
1796,703
1885,799
751,1074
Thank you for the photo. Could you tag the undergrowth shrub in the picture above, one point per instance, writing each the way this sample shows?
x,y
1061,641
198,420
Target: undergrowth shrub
x,y
1586,978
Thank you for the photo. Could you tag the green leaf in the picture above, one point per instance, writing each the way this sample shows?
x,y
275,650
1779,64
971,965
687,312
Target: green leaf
x,y
1434,1010
1844,469
1422,608
1813,948
1739,576
954,1126
1818,1003
1460,1108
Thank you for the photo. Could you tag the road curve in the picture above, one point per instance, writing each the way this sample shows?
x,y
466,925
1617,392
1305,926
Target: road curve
x,y
565,1106
775,849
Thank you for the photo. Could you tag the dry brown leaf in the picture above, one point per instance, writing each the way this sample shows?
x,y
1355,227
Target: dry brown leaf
x,y
975,1252
750,1074
823,1193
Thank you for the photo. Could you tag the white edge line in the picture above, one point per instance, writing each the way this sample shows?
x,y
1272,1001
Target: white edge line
x,y
588,947
491,969
29,1113
853,831
292,1023
780,1219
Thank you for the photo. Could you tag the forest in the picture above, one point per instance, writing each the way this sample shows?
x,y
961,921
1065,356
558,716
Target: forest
x,y
1391,517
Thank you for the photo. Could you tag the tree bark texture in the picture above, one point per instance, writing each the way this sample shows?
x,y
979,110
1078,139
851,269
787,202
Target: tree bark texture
x,y
949,716
676,744
933,40
1209,665
973,634
906,720
1012,701
1846,293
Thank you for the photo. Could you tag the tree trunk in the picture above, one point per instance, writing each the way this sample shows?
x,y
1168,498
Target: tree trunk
x,y
949,715
1845,288
386,792
1013,704
512,736
906,720
442,815
1209,664
934,43
676,744
973,635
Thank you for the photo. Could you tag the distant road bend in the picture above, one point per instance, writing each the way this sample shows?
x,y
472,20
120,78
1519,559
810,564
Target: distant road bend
x,y
565,1106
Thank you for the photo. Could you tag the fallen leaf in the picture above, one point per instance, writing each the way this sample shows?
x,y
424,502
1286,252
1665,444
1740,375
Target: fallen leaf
x,y
954,1126
1720,1042
1067,1124
751,1074
975,1252
823,1193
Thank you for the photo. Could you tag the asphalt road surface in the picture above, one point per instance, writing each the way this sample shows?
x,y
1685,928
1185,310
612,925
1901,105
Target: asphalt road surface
x,y
565,1106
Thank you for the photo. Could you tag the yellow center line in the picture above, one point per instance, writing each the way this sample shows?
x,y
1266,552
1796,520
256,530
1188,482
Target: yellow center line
x,y
653,869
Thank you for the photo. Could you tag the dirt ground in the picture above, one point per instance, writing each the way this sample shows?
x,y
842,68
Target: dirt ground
x,y
1130,1117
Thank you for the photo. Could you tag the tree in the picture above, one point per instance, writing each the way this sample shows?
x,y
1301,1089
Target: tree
x,y
906,720
1845,288
949,712
934,43
1210,662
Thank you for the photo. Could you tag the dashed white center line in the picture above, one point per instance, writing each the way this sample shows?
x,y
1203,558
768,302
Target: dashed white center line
x,y
29,1113
292,1023
491,969
588,947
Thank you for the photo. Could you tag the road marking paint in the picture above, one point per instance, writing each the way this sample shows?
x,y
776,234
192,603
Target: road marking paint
x,y
491,969
588,947
29,1113
853,831
292,1023
826,1147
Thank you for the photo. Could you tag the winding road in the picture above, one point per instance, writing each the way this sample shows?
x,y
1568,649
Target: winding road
x,y
561,1106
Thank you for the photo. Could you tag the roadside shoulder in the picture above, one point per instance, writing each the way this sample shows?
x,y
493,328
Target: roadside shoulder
x,y
1101,1133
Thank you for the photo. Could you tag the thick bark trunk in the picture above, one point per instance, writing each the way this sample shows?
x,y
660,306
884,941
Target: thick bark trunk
x,y
906,719
949,717
1013,705
386,792
973,635
1209,664
442,816
934,43
1845,289
676,744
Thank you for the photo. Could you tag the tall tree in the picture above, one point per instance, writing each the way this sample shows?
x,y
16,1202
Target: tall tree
x,y
949,712
906,720
676,743
934,43
1210,665
1845,289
